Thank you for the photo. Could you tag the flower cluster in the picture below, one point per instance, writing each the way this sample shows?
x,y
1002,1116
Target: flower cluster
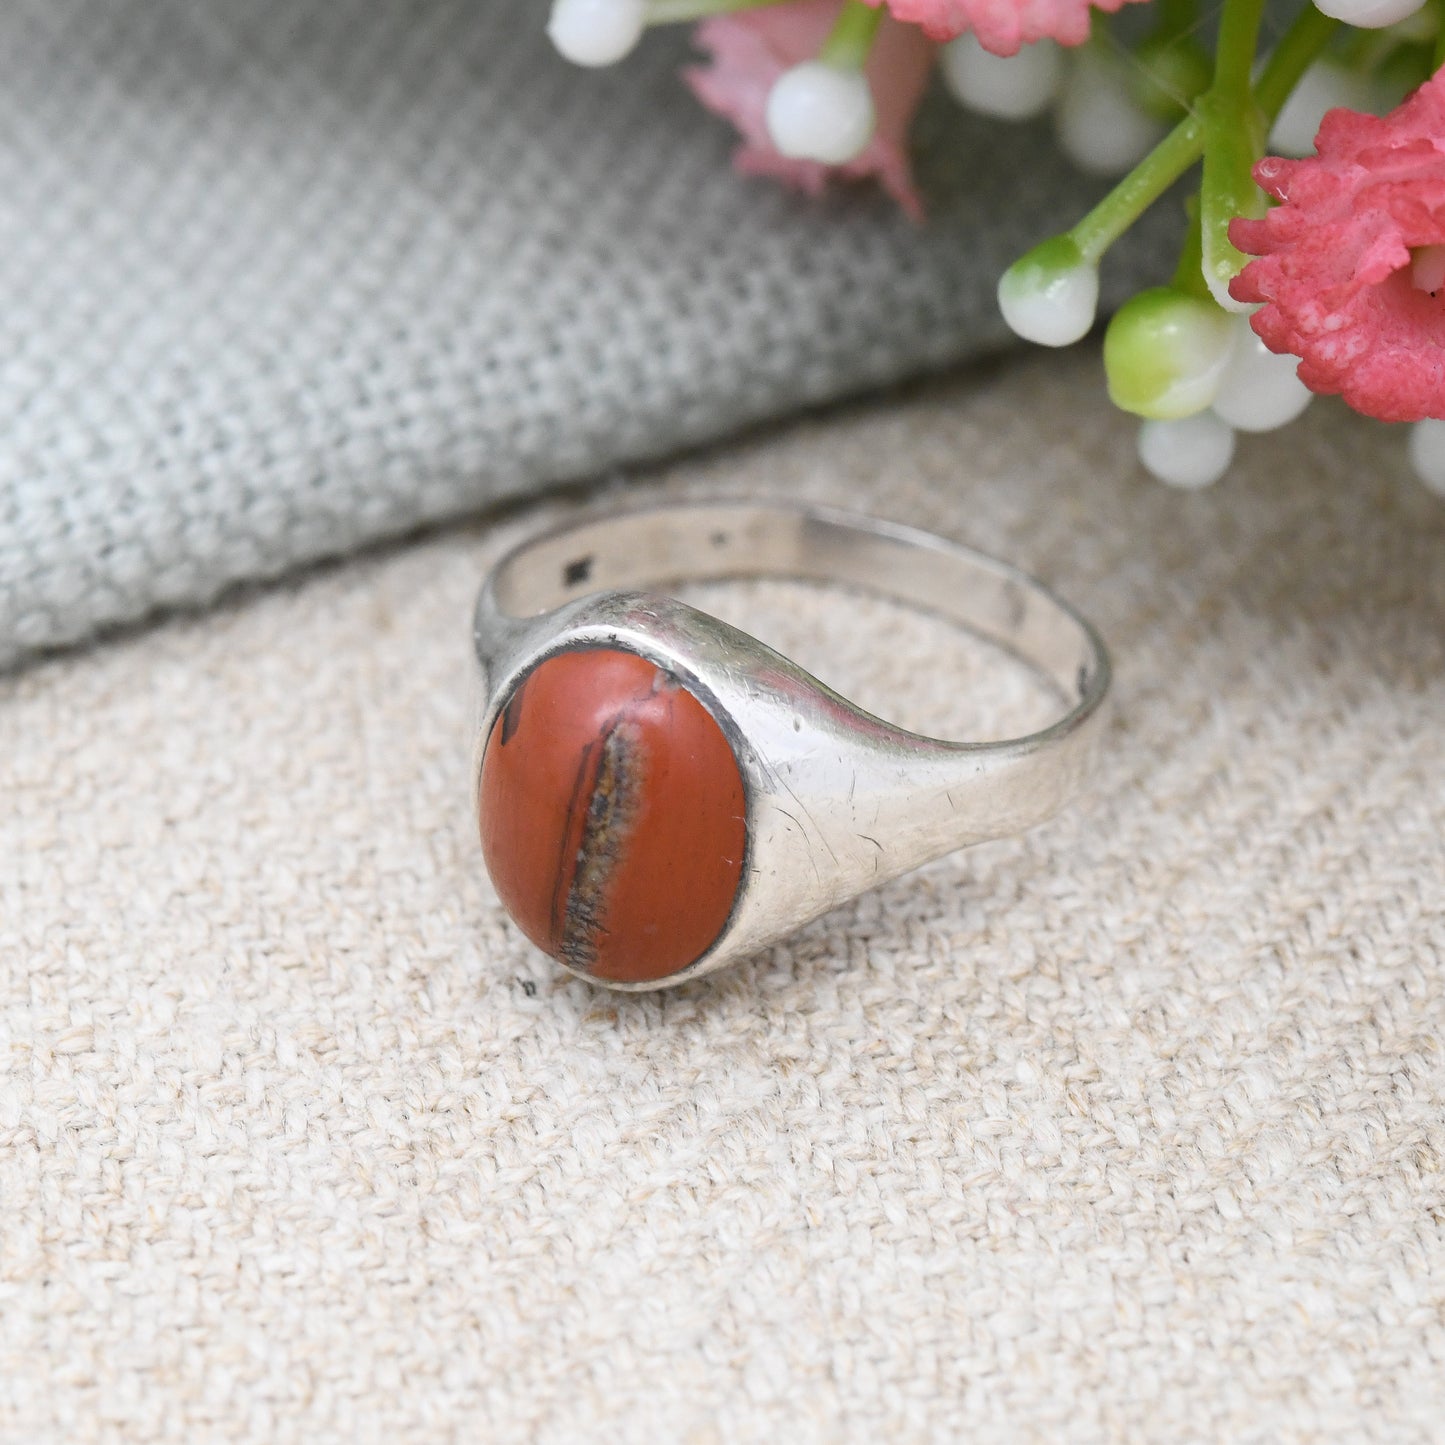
x,y
1338,287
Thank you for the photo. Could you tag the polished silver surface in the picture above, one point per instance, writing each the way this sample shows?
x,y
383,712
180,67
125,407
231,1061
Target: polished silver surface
x,y
838,801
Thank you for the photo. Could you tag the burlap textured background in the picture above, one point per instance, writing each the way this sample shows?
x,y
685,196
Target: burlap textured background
x,y
282,277
1132,1129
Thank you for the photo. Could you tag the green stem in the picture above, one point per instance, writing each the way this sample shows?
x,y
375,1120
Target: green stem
x,y
851,38
1438,58
1233,141
1297,50
1367,50
670,12
1097,231
1189,273
1238,42
1234,132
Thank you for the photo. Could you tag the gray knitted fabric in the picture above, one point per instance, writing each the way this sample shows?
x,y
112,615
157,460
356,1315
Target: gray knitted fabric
x,y
282,277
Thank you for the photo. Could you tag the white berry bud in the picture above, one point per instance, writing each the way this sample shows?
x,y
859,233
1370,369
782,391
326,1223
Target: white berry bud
x,y
1427,454
1012,87
1050,296
1369,14
821,112
1100,126
1192,452
1324,86
1260,389
596,32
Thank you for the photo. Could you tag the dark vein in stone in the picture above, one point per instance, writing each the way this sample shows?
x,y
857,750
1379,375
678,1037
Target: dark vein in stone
x,y
563,873
611,816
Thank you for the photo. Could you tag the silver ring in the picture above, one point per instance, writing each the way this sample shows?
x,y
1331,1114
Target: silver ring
x,y
660,794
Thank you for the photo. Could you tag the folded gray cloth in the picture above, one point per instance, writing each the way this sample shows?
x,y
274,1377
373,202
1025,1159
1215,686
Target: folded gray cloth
x,y
282,277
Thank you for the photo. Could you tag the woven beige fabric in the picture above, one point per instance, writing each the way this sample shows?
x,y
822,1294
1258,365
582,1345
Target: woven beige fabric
x,y
1130,1129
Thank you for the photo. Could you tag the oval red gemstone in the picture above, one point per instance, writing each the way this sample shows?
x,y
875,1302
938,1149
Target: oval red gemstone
x,y
612,815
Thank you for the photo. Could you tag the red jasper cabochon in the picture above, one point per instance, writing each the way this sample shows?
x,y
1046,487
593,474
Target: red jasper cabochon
x,y
613,815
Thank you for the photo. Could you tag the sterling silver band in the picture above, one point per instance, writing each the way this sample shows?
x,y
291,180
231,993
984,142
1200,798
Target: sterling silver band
x,y
837,800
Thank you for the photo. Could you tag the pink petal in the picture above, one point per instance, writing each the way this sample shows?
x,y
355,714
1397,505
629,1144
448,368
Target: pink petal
x,y
1002,26
1334,272
749,50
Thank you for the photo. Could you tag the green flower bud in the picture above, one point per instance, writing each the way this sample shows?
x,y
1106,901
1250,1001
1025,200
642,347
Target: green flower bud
x,y
1165,353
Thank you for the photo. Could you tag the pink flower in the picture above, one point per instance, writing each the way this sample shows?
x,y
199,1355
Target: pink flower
x,y
750,49
1002,25
1342,271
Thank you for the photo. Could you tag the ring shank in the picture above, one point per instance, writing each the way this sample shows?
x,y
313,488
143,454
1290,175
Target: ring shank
x,y
671,544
